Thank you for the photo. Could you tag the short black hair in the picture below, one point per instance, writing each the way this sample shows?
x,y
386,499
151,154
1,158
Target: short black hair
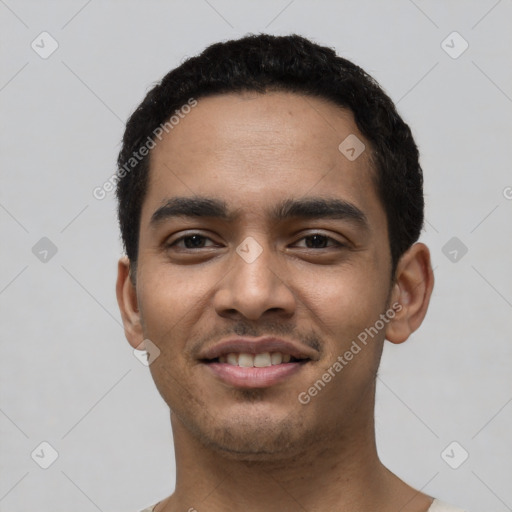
x,y
263,63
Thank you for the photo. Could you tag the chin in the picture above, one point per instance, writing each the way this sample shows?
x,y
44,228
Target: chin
x,y
255,439
253,452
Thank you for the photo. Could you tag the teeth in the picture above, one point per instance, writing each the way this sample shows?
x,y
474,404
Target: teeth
x,y
261,360
276,358
233,359
256,360
246,360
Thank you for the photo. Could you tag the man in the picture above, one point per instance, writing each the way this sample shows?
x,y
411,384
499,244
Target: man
x,y
270,200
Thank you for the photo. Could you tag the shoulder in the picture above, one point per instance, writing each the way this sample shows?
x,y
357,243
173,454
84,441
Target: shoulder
x,y
441,506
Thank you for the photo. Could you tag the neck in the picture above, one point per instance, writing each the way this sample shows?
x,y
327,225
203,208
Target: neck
x,y
340,471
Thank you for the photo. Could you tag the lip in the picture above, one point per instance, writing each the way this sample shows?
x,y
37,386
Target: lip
x,y
243,377
240,377
258,346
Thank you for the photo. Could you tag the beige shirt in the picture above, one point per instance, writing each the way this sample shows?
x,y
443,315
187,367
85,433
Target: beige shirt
x,y
437,506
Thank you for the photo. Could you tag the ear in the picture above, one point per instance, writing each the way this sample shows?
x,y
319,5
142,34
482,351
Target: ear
x,y
414,281
128,305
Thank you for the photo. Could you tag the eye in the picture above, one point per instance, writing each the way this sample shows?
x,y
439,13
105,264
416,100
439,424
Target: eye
x,y
192,241
320,241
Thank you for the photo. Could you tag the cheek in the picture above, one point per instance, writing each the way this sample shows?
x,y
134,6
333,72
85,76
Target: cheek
x,y
345,307
168,297
170,304
347,300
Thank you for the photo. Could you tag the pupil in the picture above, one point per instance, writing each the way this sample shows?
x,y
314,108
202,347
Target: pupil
x,y
193,241
310,241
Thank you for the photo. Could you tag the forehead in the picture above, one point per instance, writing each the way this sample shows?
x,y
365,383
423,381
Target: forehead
x,y
253,150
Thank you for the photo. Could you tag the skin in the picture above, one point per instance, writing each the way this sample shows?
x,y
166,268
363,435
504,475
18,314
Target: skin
x,y
261,449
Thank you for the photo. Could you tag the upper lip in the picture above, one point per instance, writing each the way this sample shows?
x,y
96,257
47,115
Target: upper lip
x,y
258,346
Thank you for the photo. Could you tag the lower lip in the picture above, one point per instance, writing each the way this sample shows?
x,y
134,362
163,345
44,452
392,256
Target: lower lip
x,y
265,377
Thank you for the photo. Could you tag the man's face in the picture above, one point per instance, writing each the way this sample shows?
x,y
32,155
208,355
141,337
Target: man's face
x,y
315,281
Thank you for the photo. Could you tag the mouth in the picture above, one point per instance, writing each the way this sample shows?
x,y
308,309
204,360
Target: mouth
x,y
256,362
262,360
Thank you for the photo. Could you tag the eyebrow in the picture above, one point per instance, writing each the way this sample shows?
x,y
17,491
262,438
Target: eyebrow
x,y
307,208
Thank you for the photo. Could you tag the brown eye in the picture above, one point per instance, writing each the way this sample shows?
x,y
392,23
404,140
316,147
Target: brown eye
x,y
316,241
194,241
319,241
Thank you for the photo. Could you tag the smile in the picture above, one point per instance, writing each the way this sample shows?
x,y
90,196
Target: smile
x,y
254,371
256,360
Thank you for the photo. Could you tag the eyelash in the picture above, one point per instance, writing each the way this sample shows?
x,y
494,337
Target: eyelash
x,y
336,243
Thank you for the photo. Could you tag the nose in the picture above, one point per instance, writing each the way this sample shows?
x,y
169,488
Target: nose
x,y
255,286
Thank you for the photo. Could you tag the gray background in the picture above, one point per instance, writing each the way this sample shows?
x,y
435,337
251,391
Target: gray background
x,y
69,377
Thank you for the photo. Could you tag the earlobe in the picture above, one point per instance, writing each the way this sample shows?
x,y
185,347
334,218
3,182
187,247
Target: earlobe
x,y
128,305
412,289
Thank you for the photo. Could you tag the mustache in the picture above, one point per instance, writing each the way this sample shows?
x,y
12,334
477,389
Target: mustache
x,y
268,328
